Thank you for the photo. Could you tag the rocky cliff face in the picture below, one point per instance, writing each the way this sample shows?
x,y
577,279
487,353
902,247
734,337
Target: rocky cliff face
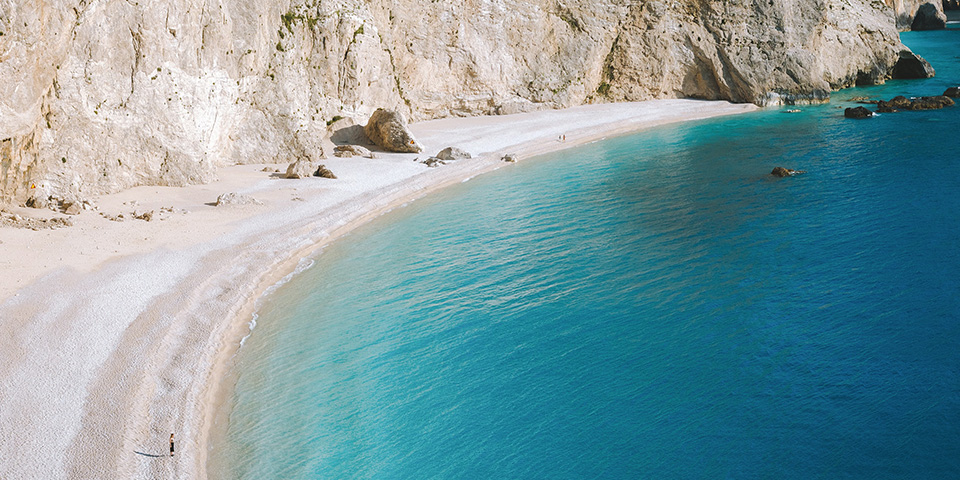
x,y
905,10
101,95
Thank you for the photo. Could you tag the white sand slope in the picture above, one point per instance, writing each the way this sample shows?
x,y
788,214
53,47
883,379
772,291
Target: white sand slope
x,y
117,333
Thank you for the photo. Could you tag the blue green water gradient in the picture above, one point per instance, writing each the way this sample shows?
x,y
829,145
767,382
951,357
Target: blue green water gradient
x,y
652,306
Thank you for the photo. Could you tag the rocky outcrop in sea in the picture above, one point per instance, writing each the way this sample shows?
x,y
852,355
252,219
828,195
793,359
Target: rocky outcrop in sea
x,y
929,16
923,103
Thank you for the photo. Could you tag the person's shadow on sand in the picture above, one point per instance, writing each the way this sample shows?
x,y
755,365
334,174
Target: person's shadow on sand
x,y
148,455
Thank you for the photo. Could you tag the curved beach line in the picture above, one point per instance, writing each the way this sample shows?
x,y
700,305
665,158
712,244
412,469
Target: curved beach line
x,y
112,356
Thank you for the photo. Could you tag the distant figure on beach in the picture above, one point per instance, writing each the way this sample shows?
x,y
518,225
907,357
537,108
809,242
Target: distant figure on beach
x,y
171,444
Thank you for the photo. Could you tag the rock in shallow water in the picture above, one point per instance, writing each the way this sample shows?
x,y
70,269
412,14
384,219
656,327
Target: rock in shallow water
x,y
785,172
900,102
857,112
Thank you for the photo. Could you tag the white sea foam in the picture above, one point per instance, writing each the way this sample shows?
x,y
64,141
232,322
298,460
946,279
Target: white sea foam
x,y
302,266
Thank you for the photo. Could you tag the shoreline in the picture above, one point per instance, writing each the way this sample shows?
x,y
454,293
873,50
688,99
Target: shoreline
x,y
125,345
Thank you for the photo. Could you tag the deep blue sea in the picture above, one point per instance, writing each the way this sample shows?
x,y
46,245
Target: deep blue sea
x,y
650,306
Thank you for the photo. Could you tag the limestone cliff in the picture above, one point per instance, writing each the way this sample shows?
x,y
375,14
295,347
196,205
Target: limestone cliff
x,y
903,11
906,10
101,95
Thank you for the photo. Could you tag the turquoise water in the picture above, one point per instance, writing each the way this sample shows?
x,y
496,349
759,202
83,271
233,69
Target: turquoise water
x,y
652,306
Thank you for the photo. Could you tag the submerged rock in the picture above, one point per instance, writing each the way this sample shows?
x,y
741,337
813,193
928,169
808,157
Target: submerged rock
x,y
453,153
388,130
786,172
929,16
912,66
857,112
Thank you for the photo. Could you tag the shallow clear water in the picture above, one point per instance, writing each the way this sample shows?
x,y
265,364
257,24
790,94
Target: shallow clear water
x,y
652,306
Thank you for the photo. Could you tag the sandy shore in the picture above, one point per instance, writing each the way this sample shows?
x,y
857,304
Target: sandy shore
x,y
118,333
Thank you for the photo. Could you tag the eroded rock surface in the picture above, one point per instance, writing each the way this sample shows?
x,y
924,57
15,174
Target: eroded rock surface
x,y
929,16
904,11
96,97
236,199
347,151
923,103
912,66
453,153
324,172
302,168
433,162
857,112
388,130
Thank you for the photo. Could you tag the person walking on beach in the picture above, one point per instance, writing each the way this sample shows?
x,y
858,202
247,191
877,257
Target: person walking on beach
x,y
171,444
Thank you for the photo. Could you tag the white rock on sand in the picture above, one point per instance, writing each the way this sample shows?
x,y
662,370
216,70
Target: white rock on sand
x,y
117,333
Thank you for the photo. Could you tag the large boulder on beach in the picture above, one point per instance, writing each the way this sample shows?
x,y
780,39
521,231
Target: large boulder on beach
x,y
302,168
453,153
857,112
388,130
930,16
324,172
912,66
236,199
